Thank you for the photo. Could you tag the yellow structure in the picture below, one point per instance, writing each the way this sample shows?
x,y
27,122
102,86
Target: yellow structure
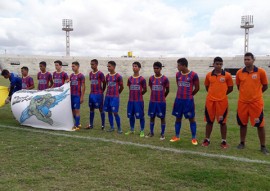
x,y
130,54
3,95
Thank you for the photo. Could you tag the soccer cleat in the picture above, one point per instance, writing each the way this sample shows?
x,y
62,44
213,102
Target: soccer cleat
x,y
120,131
162,137
89,127
205,143
79,126
264,150
224,145
102,127
129,132
110,130
149,135
175,139
142,134
75,128
241,146
194,142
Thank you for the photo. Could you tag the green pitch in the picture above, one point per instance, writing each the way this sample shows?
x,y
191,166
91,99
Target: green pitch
x,y
41,161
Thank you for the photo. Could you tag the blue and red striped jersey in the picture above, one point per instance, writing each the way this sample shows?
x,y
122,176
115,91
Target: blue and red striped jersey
x,y
136,85
43,80
59,78
113,84
185,84
96,81
158,87
76,81
27,81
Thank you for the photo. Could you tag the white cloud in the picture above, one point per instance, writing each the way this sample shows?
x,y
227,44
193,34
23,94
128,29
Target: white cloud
x,y
149,28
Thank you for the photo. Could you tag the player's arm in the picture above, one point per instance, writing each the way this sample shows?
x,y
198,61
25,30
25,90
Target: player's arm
x,y
66,78
264,87
50,81
196,87
144,90
121,87
83,91
229,90
144,87
104,84
207,87
121,84
167,90
32,84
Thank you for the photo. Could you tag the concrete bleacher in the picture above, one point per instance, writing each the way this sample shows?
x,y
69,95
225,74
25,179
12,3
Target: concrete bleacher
x,y
197,64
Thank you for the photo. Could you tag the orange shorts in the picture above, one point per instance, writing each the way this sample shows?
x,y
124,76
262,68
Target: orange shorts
x,y
252,111
216,109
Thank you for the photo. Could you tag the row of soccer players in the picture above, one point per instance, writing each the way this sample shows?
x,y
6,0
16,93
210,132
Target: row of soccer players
x,y
251,82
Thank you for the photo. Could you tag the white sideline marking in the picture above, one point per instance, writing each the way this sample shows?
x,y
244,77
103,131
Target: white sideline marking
x,y
241,159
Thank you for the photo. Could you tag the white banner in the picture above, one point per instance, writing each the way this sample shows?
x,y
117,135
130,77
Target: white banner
x,y
47,109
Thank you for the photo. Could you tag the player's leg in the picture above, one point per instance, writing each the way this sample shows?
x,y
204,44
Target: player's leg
x,y
163,127
152,115
118,122
189,113
107,108
222,113
102,116
131,117
209,117
242,120
257,120
161,107
178,113
92,112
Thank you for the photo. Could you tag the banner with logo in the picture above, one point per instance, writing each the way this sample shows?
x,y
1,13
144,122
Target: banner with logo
x,y
3,95
47,109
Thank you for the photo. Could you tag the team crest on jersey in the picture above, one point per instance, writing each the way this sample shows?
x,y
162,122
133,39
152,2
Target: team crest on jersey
x,y
188,79
222,79
254,76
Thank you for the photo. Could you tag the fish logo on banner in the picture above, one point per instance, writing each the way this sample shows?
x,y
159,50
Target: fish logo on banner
x,y
48,109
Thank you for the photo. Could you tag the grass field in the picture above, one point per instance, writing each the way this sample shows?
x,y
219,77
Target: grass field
x,y
47,160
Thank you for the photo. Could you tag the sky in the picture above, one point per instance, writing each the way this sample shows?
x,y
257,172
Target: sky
x,y
148,28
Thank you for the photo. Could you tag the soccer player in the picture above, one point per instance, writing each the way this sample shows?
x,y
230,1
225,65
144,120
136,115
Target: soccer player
x,y
77,88
135,107
114,88
251,82
27,81
160,87
187,86
15,83
45,80
98,86
59,76
218,84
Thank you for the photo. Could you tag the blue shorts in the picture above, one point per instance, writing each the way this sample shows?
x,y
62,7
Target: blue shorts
x,y
111,104
184,107
157,109
135,108
75,102
95,101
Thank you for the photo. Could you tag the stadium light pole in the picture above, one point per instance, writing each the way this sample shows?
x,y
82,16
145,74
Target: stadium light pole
x,y
246,23
67,26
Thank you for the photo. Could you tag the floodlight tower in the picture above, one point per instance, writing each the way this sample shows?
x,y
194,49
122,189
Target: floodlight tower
x,y
246,23
67,26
